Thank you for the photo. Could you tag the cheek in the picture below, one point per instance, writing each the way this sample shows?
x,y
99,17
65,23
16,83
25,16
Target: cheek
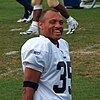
x,y
48,27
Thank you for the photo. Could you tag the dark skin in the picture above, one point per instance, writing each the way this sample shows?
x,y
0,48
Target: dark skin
x,y
33,76
51,26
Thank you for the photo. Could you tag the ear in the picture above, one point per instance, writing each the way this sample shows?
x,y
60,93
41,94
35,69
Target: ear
x,y
40,24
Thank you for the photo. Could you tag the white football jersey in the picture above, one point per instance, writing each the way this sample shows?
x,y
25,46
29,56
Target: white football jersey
x,y
53,62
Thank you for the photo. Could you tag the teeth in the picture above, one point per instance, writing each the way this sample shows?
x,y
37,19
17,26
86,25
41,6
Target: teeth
x,y
56,31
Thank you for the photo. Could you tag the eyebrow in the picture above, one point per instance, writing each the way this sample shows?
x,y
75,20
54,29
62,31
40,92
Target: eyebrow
x,y
55,20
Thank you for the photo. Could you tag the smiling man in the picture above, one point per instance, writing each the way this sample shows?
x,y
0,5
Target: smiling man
x,y
46,61
51,26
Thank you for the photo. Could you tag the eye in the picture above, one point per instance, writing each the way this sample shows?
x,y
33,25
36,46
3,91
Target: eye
x,y
52,21
61,22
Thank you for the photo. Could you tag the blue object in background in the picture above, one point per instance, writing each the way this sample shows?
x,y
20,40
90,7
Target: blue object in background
x,y
72,3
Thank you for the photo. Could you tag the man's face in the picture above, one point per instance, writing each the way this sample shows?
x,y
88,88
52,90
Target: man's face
x,y
52,25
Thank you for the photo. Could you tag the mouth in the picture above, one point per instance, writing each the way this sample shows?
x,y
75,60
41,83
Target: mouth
x,y
57,32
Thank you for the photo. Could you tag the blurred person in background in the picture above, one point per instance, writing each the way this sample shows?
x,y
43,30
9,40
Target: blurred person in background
x,y
28,9
33,29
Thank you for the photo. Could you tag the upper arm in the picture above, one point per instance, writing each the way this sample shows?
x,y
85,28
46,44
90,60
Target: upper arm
x,y
31,75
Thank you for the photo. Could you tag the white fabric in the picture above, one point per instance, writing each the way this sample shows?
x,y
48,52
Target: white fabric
x,y
72,25
41,54
33,28
37,7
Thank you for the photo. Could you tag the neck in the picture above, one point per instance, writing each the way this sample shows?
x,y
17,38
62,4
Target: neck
x,y
54,41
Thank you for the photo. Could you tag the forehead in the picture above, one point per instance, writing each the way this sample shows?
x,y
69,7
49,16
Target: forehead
x,y
52,15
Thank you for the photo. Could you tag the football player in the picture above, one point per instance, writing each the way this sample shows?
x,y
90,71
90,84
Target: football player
x,y
46,62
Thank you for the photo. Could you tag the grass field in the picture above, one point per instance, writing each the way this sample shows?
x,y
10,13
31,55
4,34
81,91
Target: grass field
x,y
84,50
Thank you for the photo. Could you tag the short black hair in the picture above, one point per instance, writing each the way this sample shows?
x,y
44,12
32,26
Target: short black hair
x,y
45,11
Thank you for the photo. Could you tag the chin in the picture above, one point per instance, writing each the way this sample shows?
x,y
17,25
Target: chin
x,y
58,38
